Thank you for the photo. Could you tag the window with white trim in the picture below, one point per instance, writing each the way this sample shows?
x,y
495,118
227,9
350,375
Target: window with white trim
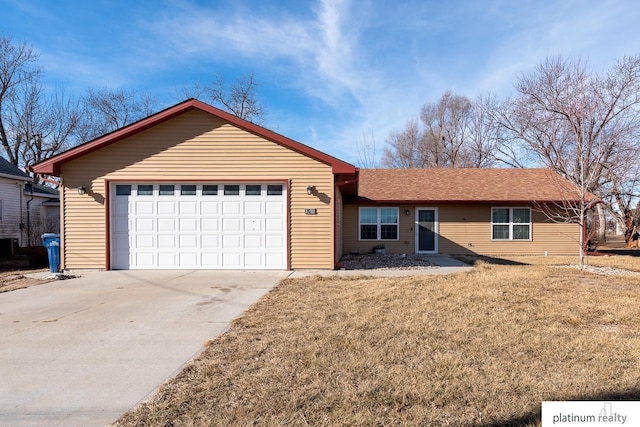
x,y
378,223
510,224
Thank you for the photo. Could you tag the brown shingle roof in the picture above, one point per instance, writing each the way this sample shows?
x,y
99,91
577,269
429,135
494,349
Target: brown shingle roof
x,y
464,185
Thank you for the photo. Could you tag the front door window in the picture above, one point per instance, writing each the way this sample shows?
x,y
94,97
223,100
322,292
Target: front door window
x,y
426,230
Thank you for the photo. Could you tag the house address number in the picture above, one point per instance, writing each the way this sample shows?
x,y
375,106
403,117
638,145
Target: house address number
x,y
313,211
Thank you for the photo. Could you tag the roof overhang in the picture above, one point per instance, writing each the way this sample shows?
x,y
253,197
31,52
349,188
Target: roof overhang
x,y
364,200
52,166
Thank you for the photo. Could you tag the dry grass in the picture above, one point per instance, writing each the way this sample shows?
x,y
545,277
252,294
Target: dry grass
x,y
477,349
11,280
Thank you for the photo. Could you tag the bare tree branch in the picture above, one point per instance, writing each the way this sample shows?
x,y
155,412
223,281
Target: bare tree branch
x,y
238,98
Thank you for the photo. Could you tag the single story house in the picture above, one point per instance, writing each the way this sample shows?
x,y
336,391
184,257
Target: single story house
x,y
27,210
195,187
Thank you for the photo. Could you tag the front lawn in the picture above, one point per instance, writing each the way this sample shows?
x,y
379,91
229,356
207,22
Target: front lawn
x,y
625,262
478,348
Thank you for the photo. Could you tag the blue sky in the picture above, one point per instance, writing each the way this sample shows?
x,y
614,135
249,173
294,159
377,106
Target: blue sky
x,y
331,72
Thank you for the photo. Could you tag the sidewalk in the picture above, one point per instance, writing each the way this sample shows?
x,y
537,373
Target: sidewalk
x,y
443,264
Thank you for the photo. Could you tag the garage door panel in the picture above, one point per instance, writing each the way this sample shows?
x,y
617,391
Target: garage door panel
x,y
189,241
145,259
167,260
188,224
232,260
231,241
231,224
210,208
209,224
145,241
167,241
274,225
274,260
252,241
144,207
252,224
213,226
210,260
167,208
189,259
274,242
253,207
231,207
188,207
253,259
210,241
274,208
167,225
145,224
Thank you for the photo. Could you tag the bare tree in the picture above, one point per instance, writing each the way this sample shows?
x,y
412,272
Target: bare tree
x,y
33,124
105,110
366,152
238,98
579,124
454,132
406,148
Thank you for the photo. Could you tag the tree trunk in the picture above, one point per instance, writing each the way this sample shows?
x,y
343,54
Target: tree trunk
x,y
630,230
602,224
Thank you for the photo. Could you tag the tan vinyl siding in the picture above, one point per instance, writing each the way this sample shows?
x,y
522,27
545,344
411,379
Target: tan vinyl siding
x,y
197,147
467,229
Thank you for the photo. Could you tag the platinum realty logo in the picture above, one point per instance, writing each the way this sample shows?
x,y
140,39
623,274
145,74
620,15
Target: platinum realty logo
x,y
590,413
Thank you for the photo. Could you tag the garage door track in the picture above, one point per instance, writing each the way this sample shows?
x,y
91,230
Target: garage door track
x,y
84,351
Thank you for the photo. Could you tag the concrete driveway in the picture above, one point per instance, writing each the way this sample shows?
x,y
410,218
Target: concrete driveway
x,y
83,351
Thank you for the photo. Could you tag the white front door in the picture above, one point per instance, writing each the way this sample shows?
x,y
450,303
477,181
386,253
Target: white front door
x,y
198,226
426,230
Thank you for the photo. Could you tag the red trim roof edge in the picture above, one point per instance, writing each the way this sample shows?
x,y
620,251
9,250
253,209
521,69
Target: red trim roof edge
x,y
353,201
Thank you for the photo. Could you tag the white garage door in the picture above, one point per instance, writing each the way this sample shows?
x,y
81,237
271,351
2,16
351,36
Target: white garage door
x,y
198,226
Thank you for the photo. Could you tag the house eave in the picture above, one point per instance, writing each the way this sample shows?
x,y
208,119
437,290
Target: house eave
x,y
365,200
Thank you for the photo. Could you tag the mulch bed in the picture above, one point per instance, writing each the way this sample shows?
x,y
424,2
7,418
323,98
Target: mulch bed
x,y
386,262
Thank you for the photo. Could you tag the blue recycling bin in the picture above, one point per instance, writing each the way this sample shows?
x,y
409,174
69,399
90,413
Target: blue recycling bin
x,y
51,241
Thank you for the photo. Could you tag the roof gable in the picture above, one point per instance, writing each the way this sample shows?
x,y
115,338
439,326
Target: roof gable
x,y
52,165
7,170
447,185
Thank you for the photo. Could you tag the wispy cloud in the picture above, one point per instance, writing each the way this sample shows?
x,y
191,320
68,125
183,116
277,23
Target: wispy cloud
x,y
319,49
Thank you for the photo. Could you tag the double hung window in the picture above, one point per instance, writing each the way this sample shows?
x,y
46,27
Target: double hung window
x,y
510,223
378,223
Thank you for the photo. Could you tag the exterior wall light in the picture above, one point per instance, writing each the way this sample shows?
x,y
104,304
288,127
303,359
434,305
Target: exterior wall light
x,y
407,212
311,189
82,189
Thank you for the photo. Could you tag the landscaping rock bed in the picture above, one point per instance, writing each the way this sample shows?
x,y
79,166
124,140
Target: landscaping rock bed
x,y
386,262
606,271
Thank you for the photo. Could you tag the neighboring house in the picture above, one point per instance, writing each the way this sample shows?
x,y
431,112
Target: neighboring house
x,y
195,187
41,212
26,210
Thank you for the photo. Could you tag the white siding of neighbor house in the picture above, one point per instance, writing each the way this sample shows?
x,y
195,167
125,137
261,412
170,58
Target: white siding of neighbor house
x,y
10,199
42,218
